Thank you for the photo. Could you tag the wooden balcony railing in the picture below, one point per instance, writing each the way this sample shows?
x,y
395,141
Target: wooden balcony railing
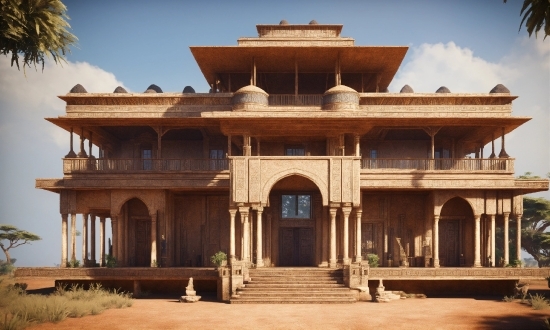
x,y
441,164
291,99
87,165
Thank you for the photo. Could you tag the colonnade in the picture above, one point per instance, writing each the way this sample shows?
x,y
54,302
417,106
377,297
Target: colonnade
x,y
88,239
491,246
246,252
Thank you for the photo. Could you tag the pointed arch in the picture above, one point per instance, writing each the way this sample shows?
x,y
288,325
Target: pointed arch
x,y
318,181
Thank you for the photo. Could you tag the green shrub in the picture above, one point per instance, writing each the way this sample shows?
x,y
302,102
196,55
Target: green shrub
x,y
372,259
218,258
73,263
508,299
6,268
110,261
538,301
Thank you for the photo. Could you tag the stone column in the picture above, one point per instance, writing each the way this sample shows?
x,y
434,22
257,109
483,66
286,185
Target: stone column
x,y
154,260
232,213
84,239
246,234
92,237
71,153
247,149
477,241
346,210
503,153
506,239
120,241
73,237
332,256
436,241
518,237
82,153
357,145
114,235
259,243
64,239
102,241
493,244
358,213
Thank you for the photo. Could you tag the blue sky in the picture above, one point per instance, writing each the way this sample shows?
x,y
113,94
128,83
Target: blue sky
x,y
468,46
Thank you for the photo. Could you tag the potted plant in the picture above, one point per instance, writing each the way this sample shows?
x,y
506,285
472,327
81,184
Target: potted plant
x,y
219,259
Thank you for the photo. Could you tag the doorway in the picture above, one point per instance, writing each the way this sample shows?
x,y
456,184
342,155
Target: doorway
x,y
296,247
449,243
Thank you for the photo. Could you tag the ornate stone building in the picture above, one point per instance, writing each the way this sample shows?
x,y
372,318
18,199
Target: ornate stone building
x,y
298,156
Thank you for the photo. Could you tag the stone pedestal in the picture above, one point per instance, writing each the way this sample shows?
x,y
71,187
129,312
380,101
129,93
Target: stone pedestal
x,y
190,293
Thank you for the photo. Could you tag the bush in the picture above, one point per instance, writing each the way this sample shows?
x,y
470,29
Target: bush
x,y
538,301
508,299
110,261
73,263
372,259
218,258
6,268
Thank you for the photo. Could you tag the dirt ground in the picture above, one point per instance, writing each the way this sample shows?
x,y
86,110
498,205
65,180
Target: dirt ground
x,y
430,313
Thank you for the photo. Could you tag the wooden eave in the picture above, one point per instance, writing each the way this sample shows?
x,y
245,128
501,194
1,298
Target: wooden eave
x,y
385,60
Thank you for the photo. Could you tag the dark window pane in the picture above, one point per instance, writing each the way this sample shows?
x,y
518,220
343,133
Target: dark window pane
x,y
296,207
295,152
304,207
288,206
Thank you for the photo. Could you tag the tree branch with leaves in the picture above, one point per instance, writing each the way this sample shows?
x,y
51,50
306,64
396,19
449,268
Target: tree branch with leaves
x,y
34,29
536,13
15,237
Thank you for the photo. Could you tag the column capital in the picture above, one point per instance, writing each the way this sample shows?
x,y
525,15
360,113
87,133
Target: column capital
x,y
436,217
244,210
233,212
346,210
333,211
477,217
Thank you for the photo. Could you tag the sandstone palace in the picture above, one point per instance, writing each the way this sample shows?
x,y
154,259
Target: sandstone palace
x,y
300,166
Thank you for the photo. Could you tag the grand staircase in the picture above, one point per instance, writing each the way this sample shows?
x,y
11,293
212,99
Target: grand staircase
x,y
294,286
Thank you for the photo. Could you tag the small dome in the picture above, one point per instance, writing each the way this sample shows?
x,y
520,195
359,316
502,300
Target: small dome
x,y
250,89
406,89
188,89
78,88
313,22
442,89
120,89
154,88
340,89
500,88
150,91
283,22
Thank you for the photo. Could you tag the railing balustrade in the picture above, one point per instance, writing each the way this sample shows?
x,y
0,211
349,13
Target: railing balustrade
x,y
441,164
82,165
291,99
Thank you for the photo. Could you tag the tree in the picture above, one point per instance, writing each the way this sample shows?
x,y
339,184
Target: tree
x,y
536,13
15,237
34,29
534,238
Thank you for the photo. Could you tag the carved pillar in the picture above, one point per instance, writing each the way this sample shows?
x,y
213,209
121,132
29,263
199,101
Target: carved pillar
x,y
493,245
229,146
154,240
493,155
342,145
92,237
506,239
503,153
346,210
332,256
477,241
102,241
73,237
121,240
84,239
247,149
64,240
90,143
71,153
436,241
358,214
357,145
259,243
246,233
114,235
232,213
82,152
518,236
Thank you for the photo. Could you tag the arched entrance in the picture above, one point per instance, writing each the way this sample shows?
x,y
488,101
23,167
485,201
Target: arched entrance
x,y
456,234
296,212
139,233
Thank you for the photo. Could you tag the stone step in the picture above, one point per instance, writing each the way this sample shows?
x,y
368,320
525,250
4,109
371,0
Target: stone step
x,y
287,294
296,289
290,281
298,300
292,285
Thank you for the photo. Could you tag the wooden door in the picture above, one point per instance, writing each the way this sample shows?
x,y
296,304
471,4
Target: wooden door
x,y
296,247
449,238
143,243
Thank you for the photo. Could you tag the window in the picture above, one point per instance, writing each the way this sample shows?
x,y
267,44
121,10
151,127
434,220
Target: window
x,y
295,151
217,161
216,154
296,207
374,153
146,157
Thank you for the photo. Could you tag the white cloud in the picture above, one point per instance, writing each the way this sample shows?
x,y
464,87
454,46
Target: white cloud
x,y
525,70
32,148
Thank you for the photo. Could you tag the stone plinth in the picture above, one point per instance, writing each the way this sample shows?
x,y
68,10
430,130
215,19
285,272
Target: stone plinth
x,y
190,293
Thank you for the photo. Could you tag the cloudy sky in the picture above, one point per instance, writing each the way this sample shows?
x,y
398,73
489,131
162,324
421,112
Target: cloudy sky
x,y
468,46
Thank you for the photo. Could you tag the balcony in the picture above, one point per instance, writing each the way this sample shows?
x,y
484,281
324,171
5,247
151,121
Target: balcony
x,y
133,165
492,165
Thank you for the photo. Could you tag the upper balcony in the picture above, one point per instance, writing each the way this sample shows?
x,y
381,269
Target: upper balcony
x,y
138,165
441,165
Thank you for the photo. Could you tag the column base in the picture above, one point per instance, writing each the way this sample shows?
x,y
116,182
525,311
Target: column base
x,y
259,263
332,264
346,261
477,265
358,259
436,263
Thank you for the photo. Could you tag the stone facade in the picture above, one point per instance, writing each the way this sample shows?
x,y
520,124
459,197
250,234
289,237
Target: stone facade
x,y
301,160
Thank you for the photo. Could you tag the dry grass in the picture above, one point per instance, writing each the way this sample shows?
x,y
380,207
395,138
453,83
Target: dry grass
x,y
19,310
538,302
